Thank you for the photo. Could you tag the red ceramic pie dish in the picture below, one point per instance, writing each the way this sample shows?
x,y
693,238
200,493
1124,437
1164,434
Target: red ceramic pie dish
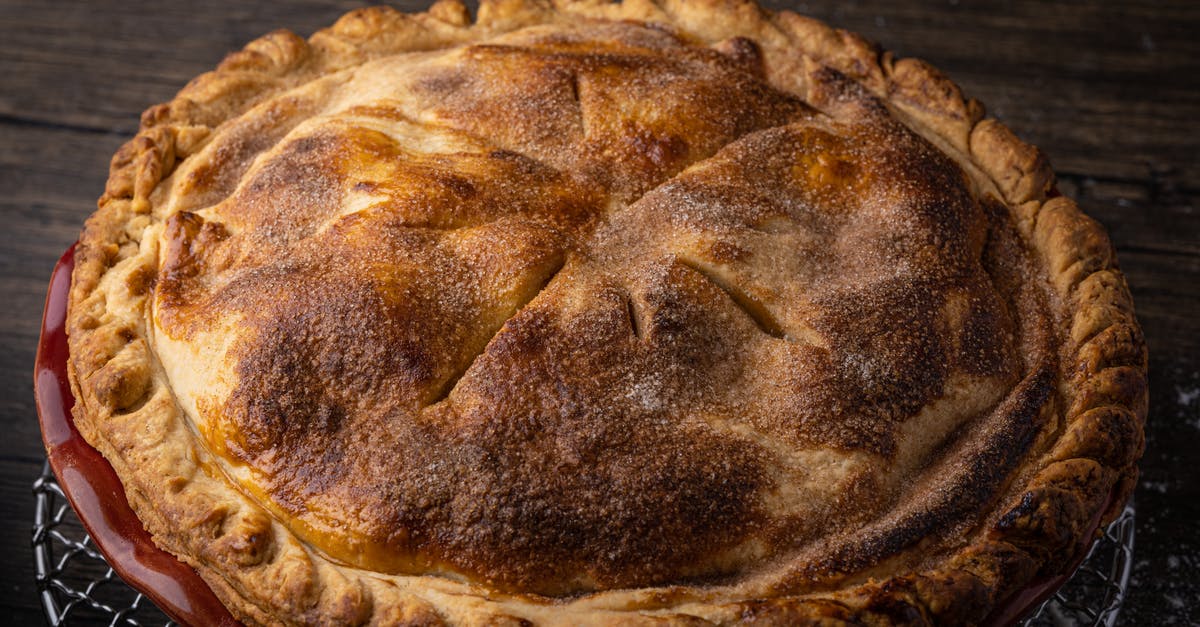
x,y
98,498
93,489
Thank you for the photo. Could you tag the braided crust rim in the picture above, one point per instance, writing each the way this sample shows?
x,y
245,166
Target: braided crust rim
x,y
263,573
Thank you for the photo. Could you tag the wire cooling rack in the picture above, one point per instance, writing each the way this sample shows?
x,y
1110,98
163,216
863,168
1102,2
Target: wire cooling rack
x,y
75,582
78,587
1095,593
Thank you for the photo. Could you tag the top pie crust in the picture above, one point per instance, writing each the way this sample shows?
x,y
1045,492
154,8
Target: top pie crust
x,y
590,313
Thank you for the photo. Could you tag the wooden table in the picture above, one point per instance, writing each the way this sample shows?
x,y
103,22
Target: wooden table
x,y
1110,91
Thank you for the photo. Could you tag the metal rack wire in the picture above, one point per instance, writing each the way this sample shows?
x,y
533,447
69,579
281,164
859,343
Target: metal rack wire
x,y
75,582
78,587
1096,591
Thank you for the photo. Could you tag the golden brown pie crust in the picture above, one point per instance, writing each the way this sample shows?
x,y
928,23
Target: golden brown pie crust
x,y
590,313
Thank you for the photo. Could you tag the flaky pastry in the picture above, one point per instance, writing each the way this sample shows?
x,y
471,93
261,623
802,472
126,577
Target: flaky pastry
x,y
588,313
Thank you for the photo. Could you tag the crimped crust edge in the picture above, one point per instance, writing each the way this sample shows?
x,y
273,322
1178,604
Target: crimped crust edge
x,y
261,572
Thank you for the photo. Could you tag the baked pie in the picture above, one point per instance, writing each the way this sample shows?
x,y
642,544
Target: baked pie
x,y
589,313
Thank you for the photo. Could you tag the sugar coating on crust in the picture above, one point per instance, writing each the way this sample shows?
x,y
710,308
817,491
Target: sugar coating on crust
x,y
707,313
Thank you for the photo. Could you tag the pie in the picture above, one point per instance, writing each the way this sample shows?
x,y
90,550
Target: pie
x,y
586,313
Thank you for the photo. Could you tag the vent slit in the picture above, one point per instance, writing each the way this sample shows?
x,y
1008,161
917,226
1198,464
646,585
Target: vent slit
x,y
753,307
577,97
635,321
448,387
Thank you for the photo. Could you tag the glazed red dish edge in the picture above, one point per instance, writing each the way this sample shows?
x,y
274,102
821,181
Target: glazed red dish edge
x,y
92,486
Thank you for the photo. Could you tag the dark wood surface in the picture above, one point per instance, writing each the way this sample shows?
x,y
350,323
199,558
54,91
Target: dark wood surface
x,y
1110,91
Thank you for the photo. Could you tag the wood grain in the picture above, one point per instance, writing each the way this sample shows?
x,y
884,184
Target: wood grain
x,y
1108,90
